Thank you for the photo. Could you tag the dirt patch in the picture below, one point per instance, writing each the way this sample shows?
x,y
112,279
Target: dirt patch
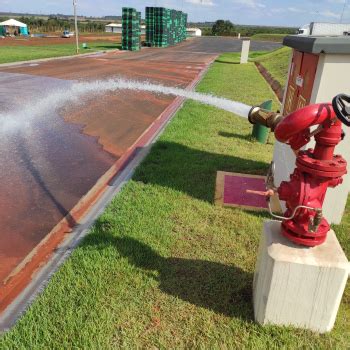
x,y
275,85
56,40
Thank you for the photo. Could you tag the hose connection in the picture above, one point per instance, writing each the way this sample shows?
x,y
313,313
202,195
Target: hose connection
x,y
258,115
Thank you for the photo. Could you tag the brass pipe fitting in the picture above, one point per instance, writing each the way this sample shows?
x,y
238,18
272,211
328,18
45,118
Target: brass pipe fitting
x,y
258,115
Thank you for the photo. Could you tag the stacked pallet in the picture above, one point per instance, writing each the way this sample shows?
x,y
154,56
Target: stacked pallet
x,y
165,27
131,29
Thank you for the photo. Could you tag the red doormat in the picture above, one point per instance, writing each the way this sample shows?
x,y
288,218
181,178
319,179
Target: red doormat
x,y
231,191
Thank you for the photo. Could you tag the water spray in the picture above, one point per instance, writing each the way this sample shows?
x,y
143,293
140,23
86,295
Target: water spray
x,y
77,91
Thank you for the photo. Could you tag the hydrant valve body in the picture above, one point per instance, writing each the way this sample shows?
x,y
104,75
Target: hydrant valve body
x,y
316,170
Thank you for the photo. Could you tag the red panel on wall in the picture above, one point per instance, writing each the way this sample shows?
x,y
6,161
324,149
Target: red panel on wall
x,y
301,81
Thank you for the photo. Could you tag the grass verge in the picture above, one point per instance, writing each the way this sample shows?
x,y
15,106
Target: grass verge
x,y
269,37
26,53
276,63
165,268
234,58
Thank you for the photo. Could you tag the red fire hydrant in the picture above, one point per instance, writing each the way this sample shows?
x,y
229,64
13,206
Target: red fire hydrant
x,y
316,169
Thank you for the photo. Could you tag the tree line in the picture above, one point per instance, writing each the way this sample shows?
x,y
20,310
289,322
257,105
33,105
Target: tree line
x,y
227,28
55,24
219,28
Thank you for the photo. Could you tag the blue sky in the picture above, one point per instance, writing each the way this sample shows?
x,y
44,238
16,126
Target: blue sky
x,y
266,12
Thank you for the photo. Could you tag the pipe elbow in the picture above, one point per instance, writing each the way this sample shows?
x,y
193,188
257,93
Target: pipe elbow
x,y
296,125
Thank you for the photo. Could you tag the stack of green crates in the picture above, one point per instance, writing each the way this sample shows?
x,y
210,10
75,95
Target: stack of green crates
x,y
131,29
165,27
149,21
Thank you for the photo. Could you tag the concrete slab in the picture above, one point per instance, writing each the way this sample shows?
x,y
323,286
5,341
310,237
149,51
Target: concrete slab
x,y
231,190
234,190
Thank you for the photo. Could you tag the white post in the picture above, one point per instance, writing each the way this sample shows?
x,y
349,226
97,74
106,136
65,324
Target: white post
x,y
76,25
245,51
239,35
298,286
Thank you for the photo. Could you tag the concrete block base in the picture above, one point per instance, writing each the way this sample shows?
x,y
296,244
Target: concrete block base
x,y
298,286
245,51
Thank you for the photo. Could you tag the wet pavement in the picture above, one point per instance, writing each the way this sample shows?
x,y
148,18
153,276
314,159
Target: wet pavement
x,y
46,167
54,167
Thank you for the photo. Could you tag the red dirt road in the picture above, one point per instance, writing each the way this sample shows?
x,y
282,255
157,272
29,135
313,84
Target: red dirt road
x,y
53,167
56,40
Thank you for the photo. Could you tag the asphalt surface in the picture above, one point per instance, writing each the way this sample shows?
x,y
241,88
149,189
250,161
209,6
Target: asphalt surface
x,y
218,45
54,166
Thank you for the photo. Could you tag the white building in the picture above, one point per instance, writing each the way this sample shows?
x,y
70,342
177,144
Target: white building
x,y
194,32
117,28
113,28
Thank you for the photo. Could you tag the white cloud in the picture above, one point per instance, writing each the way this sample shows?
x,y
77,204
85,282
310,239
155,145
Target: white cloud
x,y
277,10
284,10
201,2
336,1
253,4
294,9
329,14
323,13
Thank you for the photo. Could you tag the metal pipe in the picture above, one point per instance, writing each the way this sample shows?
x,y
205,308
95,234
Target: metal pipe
x,y
258,115
76,26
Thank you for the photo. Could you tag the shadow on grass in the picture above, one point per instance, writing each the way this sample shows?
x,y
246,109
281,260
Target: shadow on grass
x,y
217,287
235,136
226,62
191,171
105,47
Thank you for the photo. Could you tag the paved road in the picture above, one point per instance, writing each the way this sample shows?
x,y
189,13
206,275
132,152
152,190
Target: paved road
x,y
53,166
226,44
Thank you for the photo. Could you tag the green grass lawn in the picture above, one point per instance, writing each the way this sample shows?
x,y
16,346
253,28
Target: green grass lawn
x,y
26,53
163,267
276,62
269,37
234,58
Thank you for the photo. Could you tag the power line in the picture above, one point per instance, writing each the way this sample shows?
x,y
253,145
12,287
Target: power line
x,y
344,8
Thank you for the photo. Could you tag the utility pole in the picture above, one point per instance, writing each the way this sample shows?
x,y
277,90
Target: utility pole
x,y
76,25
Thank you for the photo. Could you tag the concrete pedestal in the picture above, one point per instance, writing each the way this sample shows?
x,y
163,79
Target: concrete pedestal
x,y
245,51
298,286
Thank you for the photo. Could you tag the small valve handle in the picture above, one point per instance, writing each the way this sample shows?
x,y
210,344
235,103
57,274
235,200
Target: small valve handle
x,y
268,193
341,107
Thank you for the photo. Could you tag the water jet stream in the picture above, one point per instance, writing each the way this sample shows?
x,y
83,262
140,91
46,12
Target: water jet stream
x,y
63,97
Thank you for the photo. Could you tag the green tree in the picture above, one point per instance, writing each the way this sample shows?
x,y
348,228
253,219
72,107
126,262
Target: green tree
x,y
222,27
